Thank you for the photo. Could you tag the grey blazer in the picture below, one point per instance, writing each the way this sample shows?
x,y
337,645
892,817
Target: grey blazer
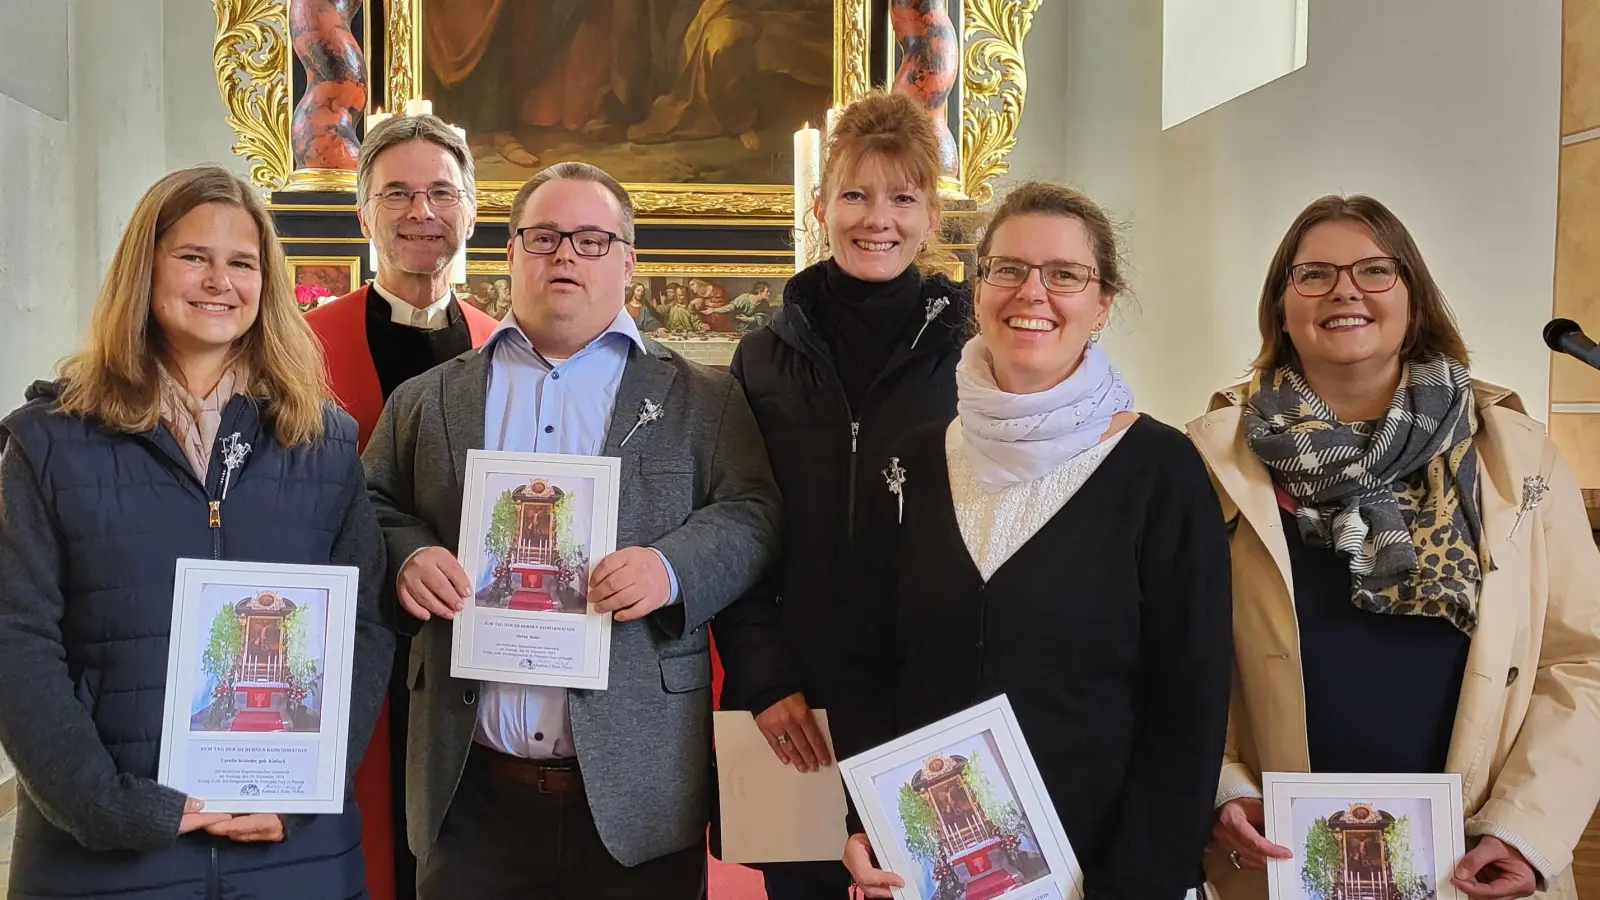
x,y
696,485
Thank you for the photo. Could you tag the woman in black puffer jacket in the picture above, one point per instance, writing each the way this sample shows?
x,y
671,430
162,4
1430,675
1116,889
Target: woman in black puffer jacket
x,y
110,475
862,352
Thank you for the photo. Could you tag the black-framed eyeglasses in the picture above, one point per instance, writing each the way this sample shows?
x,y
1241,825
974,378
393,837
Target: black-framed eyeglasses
x,y
1057,277
439,197
589,242
1375,274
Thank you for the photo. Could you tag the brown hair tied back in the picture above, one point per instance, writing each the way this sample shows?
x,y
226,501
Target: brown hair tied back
x,y
893,129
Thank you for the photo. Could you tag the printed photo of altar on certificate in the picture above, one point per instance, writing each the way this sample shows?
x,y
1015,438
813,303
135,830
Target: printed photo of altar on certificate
x,y
257,710
533,527
958,810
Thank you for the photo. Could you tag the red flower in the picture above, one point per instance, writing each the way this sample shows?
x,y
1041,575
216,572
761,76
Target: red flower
x,y
307,296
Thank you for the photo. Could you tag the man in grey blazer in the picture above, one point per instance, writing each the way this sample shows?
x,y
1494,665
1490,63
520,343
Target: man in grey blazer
x,y
532,792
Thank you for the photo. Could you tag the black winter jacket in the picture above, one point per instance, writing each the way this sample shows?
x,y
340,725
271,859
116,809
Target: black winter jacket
x,y
92,523
804,629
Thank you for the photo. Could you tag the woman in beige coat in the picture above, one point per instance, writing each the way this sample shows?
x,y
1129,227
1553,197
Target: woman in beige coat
x,y
1416,588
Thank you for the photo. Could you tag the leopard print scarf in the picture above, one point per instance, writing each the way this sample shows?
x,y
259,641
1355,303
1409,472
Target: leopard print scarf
x,y
1398,498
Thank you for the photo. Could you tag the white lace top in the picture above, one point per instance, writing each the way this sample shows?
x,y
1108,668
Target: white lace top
x,y
994,526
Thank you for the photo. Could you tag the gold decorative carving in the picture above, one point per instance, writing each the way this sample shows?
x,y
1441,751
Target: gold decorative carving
x,y
405,52
850,80
714,270
647,269
996,84
321,180
251,57
675,199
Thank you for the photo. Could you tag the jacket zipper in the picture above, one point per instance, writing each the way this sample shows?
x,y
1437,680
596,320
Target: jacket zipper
x,y
934,307
214,877
233,453
850,513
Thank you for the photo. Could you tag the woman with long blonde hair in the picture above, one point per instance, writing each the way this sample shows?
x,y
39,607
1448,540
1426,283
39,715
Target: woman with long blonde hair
x,y
193,423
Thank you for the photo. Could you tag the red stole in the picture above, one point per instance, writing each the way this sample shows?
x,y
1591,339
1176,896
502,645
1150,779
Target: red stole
x,y
341,326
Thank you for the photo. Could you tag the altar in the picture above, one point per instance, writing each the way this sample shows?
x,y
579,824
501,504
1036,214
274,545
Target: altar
x,y
699,106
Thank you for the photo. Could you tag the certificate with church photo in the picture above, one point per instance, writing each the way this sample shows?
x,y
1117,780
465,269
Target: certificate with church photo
x,y
1396,837
533,527
957,809
257,709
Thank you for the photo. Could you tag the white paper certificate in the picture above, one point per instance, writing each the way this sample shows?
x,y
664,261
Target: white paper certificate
x,y
1364,835
257,712
753,783
533,526
957,809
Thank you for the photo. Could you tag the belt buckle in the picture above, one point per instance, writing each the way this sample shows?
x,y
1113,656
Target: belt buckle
x,y
539,785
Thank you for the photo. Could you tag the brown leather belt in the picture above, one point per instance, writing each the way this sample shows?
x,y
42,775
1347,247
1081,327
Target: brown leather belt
x,y
546,776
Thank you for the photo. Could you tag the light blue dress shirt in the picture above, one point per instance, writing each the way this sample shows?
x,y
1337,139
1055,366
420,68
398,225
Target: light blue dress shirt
x,y
533,408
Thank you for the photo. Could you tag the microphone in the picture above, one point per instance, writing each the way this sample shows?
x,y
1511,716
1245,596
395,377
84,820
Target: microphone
x,y
1566,336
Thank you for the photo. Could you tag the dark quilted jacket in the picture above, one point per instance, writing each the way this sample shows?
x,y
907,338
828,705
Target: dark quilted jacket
x,y
91,525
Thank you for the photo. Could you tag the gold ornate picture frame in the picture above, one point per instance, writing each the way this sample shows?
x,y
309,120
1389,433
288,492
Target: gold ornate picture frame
x,y
318,279
253,54
701,310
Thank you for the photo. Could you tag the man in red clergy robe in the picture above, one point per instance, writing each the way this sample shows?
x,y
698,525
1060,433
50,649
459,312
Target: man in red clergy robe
x,y
416,201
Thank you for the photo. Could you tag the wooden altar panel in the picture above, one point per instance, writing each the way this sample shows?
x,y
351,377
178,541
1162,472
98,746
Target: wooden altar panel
x,y
1586,861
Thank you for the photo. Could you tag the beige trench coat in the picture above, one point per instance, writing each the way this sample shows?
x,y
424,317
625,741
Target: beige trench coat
x,y
1526,738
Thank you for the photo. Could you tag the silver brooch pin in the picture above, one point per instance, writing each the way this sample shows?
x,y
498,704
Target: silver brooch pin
x,y
233,453
649,411
935,306
1534,487
896,476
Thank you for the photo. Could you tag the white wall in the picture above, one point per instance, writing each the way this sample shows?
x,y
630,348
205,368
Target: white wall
x,y
1448,113
140,99
1215,50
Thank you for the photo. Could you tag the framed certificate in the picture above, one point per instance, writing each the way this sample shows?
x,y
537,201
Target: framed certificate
x,y
1388,836
257,711
533,526
957,809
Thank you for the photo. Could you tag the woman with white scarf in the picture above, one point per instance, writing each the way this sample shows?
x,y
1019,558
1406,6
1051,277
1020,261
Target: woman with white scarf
x,y
1063,550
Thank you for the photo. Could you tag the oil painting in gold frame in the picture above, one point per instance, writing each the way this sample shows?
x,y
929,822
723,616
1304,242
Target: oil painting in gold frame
x,y
254,64
700,310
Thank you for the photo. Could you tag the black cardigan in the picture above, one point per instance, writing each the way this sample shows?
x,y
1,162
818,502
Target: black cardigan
x,y
1110,631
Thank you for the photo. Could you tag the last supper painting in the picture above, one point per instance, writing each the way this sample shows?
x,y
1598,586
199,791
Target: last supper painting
x,y
653,91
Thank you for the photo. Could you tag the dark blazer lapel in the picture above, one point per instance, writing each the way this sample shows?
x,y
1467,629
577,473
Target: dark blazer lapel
x,y
648,376
466,383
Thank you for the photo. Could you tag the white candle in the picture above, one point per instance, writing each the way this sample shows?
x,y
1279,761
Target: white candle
x,y
458,266
807,169
416,106
375,117
832,120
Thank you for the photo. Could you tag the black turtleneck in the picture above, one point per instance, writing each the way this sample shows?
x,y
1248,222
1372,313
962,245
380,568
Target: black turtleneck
x,y
863,322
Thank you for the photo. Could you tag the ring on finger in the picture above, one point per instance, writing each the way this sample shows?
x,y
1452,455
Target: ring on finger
x,y
1233,856
783,739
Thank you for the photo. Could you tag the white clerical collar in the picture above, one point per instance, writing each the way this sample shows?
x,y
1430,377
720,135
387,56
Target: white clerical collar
x,y
429,318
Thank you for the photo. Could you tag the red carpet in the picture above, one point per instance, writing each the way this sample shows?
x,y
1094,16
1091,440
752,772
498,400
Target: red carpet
x,y
257,720
727,882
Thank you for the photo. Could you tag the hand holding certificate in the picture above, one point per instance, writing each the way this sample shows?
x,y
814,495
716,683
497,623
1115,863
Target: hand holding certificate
x,y
1364,835
957,808
258,691
533,527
